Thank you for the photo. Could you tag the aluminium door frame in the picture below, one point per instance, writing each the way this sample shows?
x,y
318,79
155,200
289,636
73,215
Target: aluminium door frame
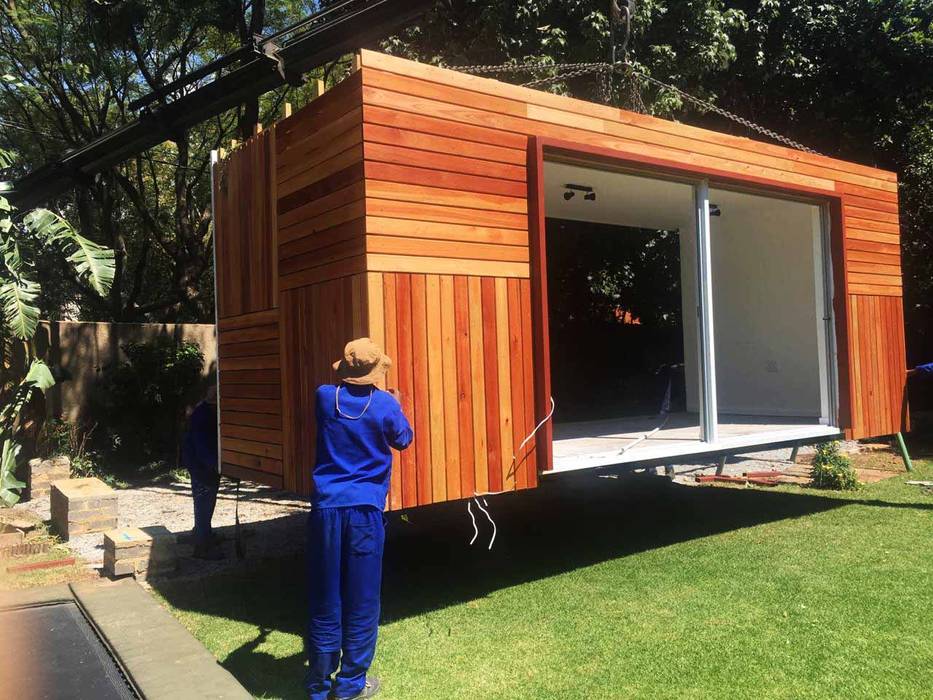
x,y
541,149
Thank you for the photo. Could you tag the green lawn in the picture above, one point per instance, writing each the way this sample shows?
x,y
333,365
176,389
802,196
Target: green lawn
x,y
601,588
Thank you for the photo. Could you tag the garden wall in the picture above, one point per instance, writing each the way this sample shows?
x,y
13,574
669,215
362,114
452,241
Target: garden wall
x,y
77,351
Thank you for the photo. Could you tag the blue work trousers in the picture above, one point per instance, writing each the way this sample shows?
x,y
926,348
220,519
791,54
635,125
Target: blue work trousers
x,y
204,485
344,558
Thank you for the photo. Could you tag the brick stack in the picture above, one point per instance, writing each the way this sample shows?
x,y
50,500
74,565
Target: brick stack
x,y
42,472
80,506
148,551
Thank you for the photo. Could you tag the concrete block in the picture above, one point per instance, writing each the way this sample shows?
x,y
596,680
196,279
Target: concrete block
x,y
139,551
80,506
41,473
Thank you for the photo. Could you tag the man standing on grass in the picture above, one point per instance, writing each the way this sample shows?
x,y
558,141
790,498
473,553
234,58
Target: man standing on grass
x,y
357,424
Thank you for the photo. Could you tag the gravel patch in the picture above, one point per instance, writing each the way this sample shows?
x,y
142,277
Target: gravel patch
x,y
272,522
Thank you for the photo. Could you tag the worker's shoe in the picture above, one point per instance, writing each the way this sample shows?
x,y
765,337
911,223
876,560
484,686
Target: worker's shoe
x,y
368,691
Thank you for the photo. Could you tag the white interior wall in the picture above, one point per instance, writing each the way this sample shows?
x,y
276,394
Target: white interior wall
x,y
768,318
766,287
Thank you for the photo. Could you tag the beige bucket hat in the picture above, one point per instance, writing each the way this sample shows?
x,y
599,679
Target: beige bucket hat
x,y
363,362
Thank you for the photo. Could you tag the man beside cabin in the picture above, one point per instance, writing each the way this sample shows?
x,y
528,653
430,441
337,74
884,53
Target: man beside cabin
x,y
357,427
199,457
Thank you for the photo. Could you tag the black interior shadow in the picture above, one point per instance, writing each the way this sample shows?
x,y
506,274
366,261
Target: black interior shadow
x,y
429,564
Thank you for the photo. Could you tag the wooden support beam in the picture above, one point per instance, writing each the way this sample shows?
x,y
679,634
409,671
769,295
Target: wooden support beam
x,y
288,109
318,88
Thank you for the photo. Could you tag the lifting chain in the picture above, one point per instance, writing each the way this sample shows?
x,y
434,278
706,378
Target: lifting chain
x,y
574,70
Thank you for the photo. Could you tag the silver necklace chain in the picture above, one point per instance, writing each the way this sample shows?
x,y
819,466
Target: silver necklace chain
x,y
349,417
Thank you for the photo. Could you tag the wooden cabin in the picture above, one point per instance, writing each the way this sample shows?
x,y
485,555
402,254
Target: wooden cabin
x,y
677,291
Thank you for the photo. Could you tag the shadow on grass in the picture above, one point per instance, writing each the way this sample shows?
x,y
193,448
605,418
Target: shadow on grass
x,y
429,564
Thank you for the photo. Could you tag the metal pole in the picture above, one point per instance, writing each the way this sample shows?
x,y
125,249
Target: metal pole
x,y
904,454
708,405
215,159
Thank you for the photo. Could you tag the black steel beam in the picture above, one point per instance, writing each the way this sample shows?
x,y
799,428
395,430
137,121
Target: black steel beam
x,y
362,23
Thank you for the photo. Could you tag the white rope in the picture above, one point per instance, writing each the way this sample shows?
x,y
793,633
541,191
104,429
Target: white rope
x,y
644,437
488,517
527,439
473,520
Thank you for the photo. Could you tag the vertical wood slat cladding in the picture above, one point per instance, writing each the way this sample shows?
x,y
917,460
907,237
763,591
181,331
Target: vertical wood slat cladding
x,y
877,365
244,203
460,367
248,327
317,320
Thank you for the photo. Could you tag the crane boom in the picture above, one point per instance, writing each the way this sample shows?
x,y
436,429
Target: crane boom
x,y
268,63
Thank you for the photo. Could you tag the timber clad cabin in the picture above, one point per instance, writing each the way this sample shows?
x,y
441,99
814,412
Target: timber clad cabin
x,y
676,290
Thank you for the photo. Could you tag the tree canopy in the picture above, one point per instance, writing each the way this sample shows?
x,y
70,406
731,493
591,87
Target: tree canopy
x,y
849,78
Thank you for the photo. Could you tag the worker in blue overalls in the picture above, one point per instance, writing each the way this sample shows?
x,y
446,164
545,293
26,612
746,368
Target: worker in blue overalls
x,y
357,424
199,457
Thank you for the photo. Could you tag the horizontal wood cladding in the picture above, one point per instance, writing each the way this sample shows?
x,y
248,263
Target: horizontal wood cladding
x,y
461,350
317,321
250,397
872,248
877,365
321,184
395,83
245,228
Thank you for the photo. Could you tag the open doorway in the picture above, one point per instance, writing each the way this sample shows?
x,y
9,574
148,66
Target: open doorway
x,y
644,365
621,281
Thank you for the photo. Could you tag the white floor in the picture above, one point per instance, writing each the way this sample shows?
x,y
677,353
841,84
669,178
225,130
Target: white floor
x,y
625,440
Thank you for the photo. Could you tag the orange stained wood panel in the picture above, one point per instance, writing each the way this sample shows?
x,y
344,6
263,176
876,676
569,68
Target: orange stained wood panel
x,y
390,326
527,455
515,472
407,78
245,225
419,348
478,384
417,135
464,385
457,164
430,177
491,380
399,287
450,388
877,365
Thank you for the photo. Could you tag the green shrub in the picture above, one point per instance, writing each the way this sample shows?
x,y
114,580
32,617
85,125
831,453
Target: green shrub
x,y
832,469
138,405
74,441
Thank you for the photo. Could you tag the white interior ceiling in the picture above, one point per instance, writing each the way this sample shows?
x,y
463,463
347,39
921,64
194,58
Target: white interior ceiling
x,y
621,199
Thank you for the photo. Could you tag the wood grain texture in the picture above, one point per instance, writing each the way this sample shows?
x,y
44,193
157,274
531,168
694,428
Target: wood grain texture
x,y
245,223
877,365
405,204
